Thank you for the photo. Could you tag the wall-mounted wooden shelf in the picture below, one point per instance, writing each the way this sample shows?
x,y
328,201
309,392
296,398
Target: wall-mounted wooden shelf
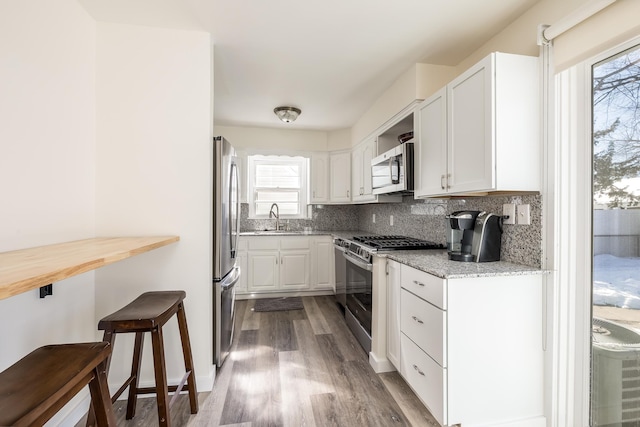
x,y
27,269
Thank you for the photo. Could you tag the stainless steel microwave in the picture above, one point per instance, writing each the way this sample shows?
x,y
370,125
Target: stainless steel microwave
x,y
392,171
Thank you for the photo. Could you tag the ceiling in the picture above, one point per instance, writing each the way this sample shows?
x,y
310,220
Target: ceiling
x,y
330,58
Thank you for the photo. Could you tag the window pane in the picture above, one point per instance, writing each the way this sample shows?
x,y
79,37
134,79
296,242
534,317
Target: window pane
x,y
615,333
285,208
276,196
278,175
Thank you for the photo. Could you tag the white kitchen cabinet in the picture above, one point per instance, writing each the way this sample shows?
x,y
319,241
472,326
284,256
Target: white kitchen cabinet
x,y
340,177
361,189
286,264
319,178
471,348
278,263
322,263
492,130
431,146
295,269
393,313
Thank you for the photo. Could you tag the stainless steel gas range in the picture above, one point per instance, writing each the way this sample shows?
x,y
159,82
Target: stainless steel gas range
x,y
354,276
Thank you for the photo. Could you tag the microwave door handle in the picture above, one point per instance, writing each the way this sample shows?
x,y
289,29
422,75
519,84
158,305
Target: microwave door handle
x,y
395,179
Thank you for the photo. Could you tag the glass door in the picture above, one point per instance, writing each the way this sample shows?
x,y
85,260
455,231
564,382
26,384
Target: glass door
x,y
615,333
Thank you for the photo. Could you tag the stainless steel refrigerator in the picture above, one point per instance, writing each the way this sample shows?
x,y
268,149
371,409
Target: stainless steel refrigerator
x,y
226,227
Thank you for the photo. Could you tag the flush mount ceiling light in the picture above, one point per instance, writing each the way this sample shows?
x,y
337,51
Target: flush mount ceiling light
x,y
287,114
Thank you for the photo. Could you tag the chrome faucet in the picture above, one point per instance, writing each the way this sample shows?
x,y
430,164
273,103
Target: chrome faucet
x,y
276,214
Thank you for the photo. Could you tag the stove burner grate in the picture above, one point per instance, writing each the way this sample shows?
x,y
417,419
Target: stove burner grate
x,y
396,242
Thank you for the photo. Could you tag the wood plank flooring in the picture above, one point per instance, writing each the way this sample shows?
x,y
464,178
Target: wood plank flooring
x,y
293,369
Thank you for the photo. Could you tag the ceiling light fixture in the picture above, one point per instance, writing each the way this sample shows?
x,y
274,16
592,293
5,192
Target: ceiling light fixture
x,y
287,114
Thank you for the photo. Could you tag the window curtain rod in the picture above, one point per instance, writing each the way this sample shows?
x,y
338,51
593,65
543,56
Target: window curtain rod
x,y
576,17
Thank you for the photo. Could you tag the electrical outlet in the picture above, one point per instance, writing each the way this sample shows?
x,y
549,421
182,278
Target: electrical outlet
x,y
373,219
510,211
523,214
391,220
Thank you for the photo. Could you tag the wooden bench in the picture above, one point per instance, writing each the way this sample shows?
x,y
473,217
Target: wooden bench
x,y
36,387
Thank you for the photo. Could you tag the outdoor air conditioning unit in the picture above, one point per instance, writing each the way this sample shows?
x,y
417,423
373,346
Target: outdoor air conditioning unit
x,y
615,388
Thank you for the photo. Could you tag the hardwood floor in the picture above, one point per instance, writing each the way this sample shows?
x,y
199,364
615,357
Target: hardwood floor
x,y
296,368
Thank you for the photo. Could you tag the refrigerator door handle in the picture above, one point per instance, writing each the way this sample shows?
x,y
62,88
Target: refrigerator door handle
x,y
234,231
231,279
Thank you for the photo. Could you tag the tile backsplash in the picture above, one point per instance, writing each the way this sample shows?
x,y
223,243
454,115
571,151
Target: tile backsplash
x,y
424,219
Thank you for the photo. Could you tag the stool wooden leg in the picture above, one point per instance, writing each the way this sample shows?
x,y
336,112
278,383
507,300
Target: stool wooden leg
x,y
109,337
101,399
188,358
162,389
135,374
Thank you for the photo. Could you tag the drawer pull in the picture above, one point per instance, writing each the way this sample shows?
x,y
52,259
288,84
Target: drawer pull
x,y
417,320
418,283
418,369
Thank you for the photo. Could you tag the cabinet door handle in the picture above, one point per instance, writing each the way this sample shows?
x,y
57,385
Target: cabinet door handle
x,y
314,194
448,178
442,182
347,193
418,369
415,282
417,320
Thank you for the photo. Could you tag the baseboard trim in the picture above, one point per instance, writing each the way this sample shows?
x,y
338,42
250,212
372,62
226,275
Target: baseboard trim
x,y
257,295
380,364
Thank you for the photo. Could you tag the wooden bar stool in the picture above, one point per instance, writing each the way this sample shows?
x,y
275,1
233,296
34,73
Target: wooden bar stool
x,y
148,313
37,386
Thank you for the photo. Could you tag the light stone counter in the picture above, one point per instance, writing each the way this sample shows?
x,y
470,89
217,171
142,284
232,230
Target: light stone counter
x,y
436,262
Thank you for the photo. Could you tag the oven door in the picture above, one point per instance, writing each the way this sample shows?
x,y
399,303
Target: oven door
x,y
359,280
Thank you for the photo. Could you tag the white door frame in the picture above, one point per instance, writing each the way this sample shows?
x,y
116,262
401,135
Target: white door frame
x,y
568,243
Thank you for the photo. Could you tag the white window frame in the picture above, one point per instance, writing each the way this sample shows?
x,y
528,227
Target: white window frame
x,y
303,164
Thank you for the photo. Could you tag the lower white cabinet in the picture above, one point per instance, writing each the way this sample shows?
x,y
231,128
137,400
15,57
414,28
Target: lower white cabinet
x,y
285,264
393,313
470,348
322,263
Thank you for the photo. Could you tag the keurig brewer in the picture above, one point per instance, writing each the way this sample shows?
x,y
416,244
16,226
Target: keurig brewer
x,y
460,227
474,236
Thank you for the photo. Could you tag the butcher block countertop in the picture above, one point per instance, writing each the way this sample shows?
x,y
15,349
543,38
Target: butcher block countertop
x,y
27,269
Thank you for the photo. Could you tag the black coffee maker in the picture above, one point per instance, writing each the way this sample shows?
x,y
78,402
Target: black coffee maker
x,y
460,226
474,236
487,237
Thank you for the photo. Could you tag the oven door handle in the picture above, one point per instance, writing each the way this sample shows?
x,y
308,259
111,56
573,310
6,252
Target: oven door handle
x,y
362,264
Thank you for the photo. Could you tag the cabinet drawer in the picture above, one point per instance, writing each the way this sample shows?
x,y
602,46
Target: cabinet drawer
x,y
294,243
426,378
263,243
425,324
426,286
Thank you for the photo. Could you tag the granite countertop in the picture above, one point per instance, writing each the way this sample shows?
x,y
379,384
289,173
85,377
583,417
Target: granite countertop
x,y
437,263
272,233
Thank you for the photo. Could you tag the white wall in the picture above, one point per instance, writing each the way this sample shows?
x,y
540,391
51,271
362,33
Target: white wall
x,y
47,162
153,176
259,138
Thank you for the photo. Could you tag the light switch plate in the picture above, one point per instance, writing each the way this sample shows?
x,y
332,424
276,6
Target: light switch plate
x,y
524,214
373,219
390,219
510,211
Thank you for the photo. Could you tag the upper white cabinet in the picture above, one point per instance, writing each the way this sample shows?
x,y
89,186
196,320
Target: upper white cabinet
x,y
340,177
361,156
490,129
431,146
319,178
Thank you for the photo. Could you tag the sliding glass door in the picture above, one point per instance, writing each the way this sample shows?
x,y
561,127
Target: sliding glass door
x,y
615,333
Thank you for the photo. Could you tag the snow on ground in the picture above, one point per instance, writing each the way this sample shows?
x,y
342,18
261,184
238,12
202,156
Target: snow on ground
x,y
616,281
